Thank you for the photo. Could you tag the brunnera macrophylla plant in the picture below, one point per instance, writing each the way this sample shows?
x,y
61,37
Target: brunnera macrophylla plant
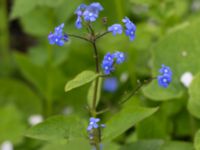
x,y
86,15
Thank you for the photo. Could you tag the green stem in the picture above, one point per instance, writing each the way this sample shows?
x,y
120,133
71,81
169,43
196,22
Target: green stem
x,y
79,37
96,57
101,35
132,93
129,95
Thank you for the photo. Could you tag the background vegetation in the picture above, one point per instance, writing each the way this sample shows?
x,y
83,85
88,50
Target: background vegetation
x,y
33,73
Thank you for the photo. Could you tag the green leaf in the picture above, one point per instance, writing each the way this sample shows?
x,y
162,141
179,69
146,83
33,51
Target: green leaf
x,y
158,145
82,144
40,20
91,93
185,52
177,145
194,103
58,128
49,81
197,140
144,145
50,3
80,80
11,125
31,72
130,114
14,91
22,7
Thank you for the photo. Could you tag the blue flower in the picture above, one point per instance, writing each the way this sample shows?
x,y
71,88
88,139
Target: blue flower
x,y
91,13
58,37
79,12
110,84
115,28
93,124
120,57
166,76
164,80
78,22
165,70
107,63
130,28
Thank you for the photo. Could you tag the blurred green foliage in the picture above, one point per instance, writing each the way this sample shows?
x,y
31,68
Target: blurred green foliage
x,y
32,79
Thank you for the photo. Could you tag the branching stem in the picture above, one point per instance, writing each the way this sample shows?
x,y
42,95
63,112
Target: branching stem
x,y
79,37
132,93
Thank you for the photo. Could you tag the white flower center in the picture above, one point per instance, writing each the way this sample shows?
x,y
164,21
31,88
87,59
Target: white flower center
x,y
165,80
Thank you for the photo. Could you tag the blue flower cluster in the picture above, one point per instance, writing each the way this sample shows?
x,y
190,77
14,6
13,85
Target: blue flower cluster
x,y
166,76
58,37
88,13
110,59
130,28
93,124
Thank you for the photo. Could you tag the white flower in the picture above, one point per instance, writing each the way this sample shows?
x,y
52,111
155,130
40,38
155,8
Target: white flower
x,y
186,78
35,119
7,145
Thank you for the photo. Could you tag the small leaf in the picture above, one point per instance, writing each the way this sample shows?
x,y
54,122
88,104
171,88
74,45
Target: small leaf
x,y
126,118
81,79
58,128
91,93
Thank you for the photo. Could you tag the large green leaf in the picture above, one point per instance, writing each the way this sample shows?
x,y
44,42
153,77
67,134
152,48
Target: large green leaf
x,y
35,74
22,7
194,94
126,118
82,144
49,81
177,145
159,125
158,145
40,20
11,125
18,93
175,46
58,127
144,145
50,3
80,80
197,140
